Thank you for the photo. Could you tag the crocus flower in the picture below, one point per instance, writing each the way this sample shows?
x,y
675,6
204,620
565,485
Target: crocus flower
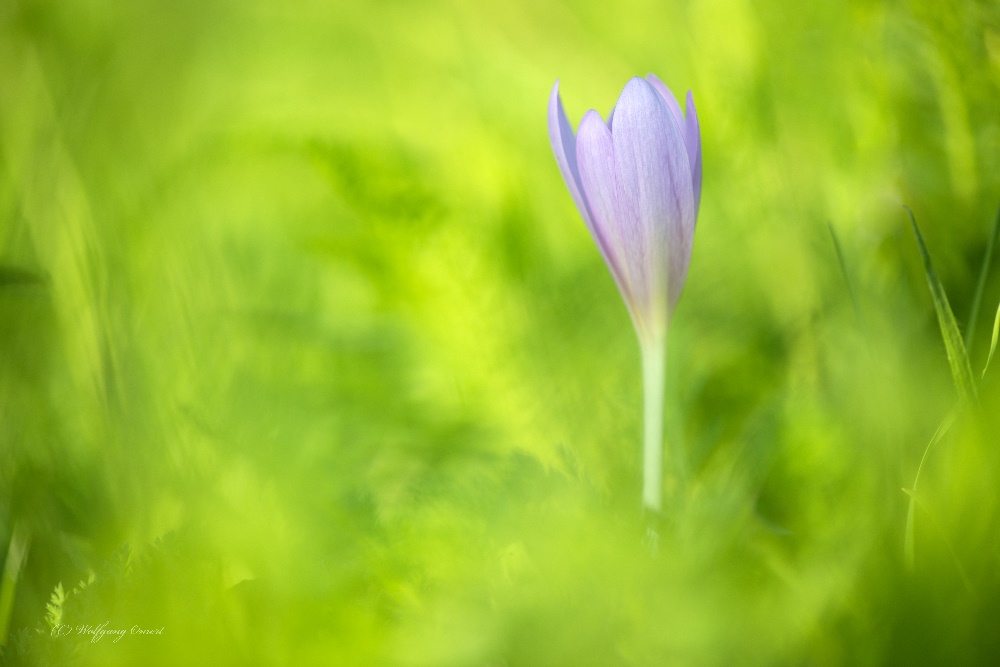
x,y
636,180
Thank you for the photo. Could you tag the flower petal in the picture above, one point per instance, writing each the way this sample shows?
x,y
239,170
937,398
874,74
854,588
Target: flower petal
x,y
668,97
564,147
692,137
596,160
689,129
654,196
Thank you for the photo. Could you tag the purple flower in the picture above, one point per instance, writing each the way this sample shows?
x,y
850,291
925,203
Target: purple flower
x,y
637,182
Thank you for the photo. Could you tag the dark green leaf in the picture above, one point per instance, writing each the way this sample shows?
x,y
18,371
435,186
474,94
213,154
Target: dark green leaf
x,y
993,343
958,358
977,299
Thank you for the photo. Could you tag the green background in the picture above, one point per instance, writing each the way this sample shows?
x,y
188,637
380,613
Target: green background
x,y
307,358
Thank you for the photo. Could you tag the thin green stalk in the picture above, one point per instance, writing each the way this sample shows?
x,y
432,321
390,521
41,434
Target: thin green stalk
x,y
909,539
970,329
654,366
993,342
954,345
944,537
843,271
17,551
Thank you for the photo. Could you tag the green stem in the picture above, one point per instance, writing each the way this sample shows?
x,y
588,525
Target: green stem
x,y
970,327
909,537
16,553
654,366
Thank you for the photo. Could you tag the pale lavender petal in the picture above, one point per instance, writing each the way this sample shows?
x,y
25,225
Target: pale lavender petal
x,y
692,142
596,160
654,201
611,117
692,137
668,97
564,147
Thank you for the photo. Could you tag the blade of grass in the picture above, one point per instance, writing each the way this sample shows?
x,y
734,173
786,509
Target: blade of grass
x,y
978,297
17,551
944,537
958,358
993,343
843,270
908,540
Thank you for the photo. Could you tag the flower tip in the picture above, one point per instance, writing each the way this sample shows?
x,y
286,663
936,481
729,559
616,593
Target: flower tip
x,y
592,116
556,112
637,81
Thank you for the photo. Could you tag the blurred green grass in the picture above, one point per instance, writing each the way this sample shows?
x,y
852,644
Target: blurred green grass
x,y
308,358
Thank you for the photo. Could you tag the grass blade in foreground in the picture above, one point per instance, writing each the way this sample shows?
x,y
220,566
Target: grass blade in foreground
x,y
944,538
843,270
20,541
993,343
909,538
958,358
961,372
977,299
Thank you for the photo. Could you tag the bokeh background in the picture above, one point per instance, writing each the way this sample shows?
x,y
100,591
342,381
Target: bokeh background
x,y
307,358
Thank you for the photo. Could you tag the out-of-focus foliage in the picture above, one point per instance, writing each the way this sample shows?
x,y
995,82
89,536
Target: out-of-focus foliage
x,y
307,358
